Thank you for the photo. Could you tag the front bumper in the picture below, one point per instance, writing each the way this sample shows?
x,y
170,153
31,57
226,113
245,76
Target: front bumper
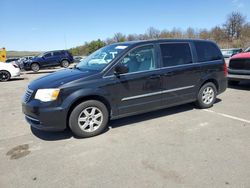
x,y
44,117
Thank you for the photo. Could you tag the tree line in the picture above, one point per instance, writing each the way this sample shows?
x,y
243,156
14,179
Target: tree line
x,y
234,33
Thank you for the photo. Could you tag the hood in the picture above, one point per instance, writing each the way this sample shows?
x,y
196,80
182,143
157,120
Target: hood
x,y
241,55
57,79
35,59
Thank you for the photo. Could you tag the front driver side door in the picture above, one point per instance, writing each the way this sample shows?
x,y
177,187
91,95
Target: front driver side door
x,y
139,90
48,59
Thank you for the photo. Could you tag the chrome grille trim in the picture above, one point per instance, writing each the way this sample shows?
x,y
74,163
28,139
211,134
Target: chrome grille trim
x,y
27,95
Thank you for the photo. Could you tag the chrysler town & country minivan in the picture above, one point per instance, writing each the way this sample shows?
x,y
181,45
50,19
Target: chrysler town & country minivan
x,y
133,78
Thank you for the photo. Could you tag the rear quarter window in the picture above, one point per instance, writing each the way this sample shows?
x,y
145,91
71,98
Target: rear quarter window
x,y
65,53
174,54
57,53
207,51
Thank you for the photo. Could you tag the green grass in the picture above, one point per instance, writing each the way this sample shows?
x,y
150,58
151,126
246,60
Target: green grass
x,y
21,53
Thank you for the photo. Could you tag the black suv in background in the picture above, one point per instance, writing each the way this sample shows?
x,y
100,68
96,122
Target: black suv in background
x,y
125,79
49,59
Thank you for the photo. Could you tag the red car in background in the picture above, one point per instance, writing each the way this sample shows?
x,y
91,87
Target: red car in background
x,y
239,68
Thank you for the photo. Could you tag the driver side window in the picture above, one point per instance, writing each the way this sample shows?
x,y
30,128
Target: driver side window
x,y
47,55
140,59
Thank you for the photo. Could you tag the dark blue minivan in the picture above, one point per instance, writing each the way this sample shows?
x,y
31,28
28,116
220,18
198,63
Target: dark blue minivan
x,y
125,79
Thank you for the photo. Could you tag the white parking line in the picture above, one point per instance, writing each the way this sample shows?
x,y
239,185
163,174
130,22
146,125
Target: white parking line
x,y
228,116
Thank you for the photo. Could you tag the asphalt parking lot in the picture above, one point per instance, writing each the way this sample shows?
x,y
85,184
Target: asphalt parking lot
x,y
176,147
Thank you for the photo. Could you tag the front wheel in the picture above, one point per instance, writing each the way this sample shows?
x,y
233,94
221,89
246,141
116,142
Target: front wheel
x,y
206,96
35,67
4,76
88,119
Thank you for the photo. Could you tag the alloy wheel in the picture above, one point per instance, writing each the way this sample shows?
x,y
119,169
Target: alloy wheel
x,y
90,119
4,76
208,95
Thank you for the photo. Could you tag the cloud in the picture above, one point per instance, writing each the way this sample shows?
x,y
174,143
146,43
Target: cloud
x,y
238,4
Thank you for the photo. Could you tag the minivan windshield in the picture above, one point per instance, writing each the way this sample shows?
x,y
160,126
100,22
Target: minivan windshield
x,y
102,57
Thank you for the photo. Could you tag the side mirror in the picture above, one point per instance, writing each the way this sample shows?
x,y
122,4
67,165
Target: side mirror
x,y
120,69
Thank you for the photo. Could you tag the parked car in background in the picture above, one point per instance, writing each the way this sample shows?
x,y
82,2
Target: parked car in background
x,y
12,59
49,59
8,70
227,53
136,77
247,50
21,61
239,68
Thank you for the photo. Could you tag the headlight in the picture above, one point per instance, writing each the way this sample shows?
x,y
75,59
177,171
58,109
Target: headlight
x,y
46,95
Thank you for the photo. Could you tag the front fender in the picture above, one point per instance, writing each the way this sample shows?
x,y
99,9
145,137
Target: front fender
x,y
82,93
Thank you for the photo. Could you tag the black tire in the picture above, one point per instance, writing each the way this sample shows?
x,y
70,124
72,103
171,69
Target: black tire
x,y
35,67
233,82
4,76
65,63
79,112
204,98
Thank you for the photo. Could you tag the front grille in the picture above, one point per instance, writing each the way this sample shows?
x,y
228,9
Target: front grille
x,y
239,64
27,95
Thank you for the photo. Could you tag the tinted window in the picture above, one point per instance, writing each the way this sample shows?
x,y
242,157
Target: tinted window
x,y
175,54
207,51
57,53
140,59
47,55
66,53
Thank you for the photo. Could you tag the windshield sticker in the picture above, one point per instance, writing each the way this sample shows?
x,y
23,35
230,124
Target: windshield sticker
x,y
120,47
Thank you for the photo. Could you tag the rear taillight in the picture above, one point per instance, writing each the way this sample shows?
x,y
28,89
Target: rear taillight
x,y
225,69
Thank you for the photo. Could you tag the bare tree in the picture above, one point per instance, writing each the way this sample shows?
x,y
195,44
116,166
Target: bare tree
x,y
110,41
165,34
234,33
234,24
153,33
119,37
190,33
245,39
176,33
132,37
218,34
204,34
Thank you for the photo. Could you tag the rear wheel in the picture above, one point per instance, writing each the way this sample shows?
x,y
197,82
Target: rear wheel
x,y
4,76
35,67
88,119
65,63
206,96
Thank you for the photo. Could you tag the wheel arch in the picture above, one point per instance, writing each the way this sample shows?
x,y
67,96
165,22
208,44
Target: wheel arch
x,y
36,63
86,98
63,59
212,80
7,72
